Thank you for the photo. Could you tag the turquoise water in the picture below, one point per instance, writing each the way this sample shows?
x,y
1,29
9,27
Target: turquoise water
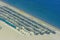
x,y
47,10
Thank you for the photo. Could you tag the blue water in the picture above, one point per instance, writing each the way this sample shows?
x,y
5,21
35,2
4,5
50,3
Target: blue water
x,y
47,10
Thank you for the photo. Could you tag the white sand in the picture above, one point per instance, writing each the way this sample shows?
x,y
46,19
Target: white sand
x,y
9,33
